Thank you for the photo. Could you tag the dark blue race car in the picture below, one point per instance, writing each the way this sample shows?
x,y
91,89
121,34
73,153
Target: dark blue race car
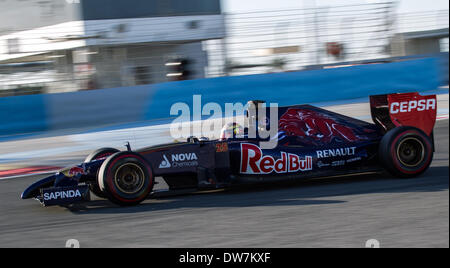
x,y
310,142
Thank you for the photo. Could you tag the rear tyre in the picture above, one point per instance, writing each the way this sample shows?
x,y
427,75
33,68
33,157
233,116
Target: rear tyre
x,y
406,151
126,178
95,155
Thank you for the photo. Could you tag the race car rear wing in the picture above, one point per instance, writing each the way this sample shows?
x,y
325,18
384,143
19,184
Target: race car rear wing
x,y
404,109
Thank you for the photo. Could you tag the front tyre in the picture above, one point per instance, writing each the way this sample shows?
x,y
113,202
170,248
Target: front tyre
x,y
96,155
406,151
126,178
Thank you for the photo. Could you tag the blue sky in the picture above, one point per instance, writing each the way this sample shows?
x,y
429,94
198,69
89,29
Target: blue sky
x,y
257,5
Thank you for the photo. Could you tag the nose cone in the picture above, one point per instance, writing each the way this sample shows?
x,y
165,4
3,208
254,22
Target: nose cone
x,y
27,193
34,189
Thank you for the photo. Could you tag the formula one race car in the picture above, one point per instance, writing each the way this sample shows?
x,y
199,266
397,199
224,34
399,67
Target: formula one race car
x,y
311,142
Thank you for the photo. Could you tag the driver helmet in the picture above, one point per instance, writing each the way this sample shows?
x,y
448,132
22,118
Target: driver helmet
x,y
231,130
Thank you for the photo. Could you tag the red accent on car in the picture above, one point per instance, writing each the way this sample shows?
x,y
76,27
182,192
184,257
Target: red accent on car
x,y
74,171
412,109
317,126
253,161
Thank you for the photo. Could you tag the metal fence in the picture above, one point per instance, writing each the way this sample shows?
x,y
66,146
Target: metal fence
x,y
256,42
283,40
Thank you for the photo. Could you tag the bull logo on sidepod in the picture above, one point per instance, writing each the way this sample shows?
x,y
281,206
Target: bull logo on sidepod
x,y
314,128
253,161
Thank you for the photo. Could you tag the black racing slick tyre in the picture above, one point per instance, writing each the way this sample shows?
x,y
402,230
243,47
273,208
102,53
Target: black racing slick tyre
x,y
95,155
406,151
126,178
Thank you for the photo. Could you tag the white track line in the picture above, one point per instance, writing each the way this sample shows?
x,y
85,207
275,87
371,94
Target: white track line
x,y
29,174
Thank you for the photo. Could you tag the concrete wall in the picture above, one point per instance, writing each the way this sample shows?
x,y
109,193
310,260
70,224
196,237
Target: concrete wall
x,y
443,68
24,114
422,46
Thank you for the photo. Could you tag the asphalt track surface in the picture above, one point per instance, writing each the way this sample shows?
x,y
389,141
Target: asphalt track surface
x,y
336,212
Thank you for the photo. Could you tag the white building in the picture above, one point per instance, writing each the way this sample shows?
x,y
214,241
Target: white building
x,y
103,43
